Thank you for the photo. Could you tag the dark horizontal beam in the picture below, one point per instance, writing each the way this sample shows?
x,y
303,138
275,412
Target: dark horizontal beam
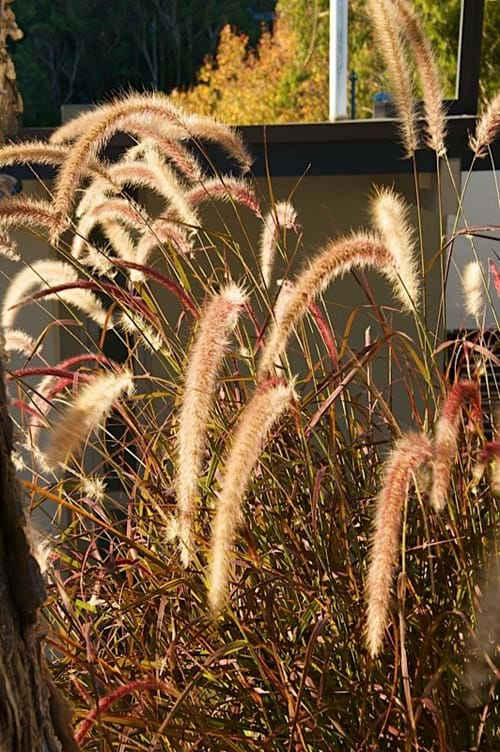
x,y
350,147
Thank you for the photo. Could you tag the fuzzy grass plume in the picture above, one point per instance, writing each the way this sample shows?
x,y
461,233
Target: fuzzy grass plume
x,y
8,246
49,274
432,89
340,256
116,117
389,214
282,217
203,364
387,27
86,413
446,438
487,129
409,454
228,189
21,211
16,340
473,289
266,406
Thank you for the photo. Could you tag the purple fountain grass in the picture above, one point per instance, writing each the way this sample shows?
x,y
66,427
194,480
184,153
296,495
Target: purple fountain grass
x,y
226,189
21,211
268,403
8,246
387,27
38,152
339,256
85,413
51,275
409,454
173,151
281,217
432,89
487,129
446,438
202,367
17,340
113,118
473,290
209,129
389,214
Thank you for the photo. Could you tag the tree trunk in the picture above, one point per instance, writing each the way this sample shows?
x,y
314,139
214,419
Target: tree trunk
x,y
33,715
11,104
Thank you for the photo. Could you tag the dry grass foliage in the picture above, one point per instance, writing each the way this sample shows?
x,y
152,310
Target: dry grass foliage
x,y
217,449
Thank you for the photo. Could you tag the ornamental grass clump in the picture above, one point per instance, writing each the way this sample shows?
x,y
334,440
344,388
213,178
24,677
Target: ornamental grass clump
x,y
203,364
407,457
239,440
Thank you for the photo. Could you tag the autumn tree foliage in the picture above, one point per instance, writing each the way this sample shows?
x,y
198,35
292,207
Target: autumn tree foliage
x,y
244,85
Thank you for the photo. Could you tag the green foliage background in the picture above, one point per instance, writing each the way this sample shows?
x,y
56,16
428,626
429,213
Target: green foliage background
x,y
84,50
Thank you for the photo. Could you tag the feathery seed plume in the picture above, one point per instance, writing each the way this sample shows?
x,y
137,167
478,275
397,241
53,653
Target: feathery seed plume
x,y
282,217
495,276
209,129
257,419
487,129
203,363
389,214
75,127
93,487
339,256
429,75
47,273
473,288
21,211
226,189
446,438
135,324
102,126
172,150
87,412
409,454
15,340
162,232
8,246
39,152
110,211
387,27
490,454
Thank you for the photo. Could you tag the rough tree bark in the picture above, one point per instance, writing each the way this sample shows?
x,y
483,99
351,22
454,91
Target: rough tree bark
x,y
33,715
11,104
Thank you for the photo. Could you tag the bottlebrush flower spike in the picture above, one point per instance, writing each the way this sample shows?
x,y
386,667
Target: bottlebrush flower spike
x,y
282,217
409,454
339,256
389,215
15,340
117,116
203,364
487,129
90,407
429,75
226,189
446,438
495,276
26,212
47,273
268,403
473,288
8,246
388,33
490,454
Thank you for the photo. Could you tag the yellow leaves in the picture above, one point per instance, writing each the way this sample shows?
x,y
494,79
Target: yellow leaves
x,y
248,86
